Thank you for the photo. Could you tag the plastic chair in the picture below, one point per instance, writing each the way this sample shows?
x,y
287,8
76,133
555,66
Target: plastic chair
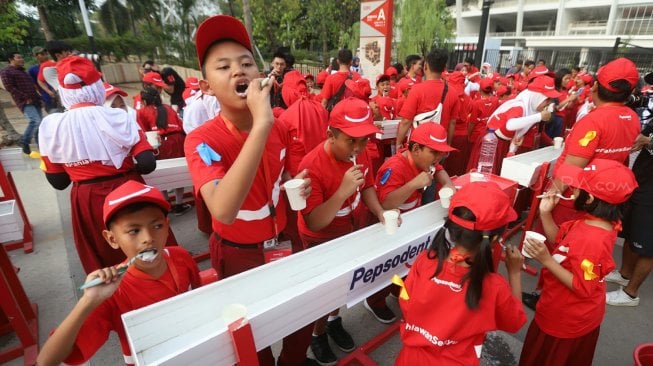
x,y
643,355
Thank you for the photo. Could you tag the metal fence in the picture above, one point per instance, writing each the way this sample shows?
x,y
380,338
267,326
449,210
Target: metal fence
x,y
557,59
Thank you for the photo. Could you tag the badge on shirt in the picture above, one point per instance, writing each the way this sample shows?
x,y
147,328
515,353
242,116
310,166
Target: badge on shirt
x,y
589,136
207,154
386,176
588,270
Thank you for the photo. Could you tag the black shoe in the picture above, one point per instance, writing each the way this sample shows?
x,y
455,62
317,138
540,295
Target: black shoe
x,y
530,299
26,149
179,210
339,335
384,314
322,351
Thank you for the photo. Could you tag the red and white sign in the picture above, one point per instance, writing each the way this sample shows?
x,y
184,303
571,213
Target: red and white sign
x,y
375,37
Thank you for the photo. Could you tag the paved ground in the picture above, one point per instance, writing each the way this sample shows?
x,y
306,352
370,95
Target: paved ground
x,y
52,272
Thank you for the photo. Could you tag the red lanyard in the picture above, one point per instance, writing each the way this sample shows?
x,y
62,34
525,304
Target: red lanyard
x,y
266,172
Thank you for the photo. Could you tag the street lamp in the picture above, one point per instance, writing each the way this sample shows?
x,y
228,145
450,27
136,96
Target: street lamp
x,y
480,47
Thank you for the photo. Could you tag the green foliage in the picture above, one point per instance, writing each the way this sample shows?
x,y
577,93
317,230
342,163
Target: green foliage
x,y
424,25
13,26
62,15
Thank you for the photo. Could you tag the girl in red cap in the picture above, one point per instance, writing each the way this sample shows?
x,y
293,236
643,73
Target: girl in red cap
x,y
95,147
155,116
452,297
572,304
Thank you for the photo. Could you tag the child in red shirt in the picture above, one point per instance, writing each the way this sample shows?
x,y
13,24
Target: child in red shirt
x,y
135,219
341,176
572,304
452,297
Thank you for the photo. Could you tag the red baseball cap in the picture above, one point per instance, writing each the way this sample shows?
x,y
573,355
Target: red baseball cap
x,y
153,78
217,28
110,90
382,77
487,84
609,180
321,77
74,72
587,79
192,82
361,88
308,76
502,90
353,117
489,204
432,135
619,69
132,192
544,85
540,71
391,71
404,84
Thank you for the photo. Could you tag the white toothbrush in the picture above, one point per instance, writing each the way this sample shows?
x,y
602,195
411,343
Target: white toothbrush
x,y
146,255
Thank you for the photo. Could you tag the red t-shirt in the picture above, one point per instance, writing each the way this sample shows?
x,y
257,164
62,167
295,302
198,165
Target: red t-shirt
x,y
438,327
480,111
326,175
498,121
566,313
146,118
425,97
253,223
86,169
43,66
136,290
394,174
334,82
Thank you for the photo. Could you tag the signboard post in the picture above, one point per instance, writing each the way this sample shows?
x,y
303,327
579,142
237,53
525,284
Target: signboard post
x,y
375,37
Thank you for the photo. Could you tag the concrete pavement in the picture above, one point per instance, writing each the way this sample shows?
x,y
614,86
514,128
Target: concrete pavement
x,y
52,272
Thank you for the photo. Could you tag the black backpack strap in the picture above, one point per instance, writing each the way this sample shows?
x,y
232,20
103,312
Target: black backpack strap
x,y
335,98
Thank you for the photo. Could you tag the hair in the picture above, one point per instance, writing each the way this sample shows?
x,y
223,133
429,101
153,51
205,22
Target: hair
x,y
477,243
151,96
437,59
529,63
399,67
335,131
576,68
621,96
559,75
131,208
284,53
334,65
520,62
148,63
345,56
469,60
543,61
11,54
56,46
412,60
598,207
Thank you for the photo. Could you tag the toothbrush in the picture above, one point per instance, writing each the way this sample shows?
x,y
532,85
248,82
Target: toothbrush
x,y
570,198
146,255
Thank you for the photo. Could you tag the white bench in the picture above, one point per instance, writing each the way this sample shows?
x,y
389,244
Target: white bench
x,y
522,168
169,174
281,296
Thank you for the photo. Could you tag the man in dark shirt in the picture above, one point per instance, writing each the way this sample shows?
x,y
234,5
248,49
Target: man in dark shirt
x,y
23,91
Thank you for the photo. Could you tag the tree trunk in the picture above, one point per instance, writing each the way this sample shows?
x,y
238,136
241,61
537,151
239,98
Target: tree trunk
x,y
43,19
247,14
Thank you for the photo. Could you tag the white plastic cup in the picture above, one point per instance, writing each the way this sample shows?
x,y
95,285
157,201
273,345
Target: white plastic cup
x,y
557,142
445,196
153,138
293,189
531,235
476,177
391,218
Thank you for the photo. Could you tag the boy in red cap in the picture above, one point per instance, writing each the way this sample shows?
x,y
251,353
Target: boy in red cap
x,y
238,161
192,85
425,98
451,296
341,176
134,216
95,147
572,304
383,106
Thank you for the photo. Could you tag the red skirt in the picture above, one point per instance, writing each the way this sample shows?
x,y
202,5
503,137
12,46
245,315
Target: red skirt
x,y
86,203
172,146
541,349
456,162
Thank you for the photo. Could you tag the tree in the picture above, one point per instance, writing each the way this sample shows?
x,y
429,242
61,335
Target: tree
x,y
424,25
13,28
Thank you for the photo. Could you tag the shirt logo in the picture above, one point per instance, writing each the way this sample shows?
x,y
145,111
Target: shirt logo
x,y
589,136
386,176
588,270
625,117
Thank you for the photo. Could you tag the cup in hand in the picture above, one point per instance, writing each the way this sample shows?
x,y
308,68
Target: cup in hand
x,y
557,142
391,218
445,196
153,138
293,189
531,235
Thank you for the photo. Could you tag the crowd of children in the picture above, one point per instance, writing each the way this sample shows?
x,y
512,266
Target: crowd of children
x,y
322,130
